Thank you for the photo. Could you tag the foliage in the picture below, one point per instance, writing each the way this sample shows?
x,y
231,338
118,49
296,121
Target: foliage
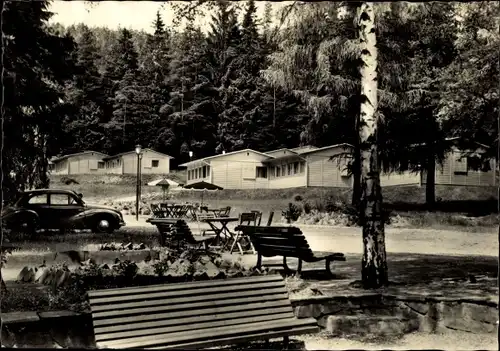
x,y
247,83
37,63
292,213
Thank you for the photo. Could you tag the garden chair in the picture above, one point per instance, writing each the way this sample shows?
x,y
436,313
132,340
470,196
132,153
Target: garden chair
x,y
246,218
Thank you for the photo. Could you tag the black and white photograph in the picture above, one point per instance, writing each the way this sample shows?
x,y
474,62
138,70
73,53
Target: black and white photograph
x,y
250,175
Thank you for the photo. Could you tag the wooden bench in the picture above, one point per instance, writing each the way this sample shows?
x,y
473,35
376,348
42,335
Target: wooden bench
x,y
196,315
177,230
286,242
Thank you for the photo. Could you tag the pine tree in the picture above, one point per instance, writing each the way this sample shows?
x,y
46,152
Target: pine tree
x,y
84,127
128,96
224,43
188,120
37,64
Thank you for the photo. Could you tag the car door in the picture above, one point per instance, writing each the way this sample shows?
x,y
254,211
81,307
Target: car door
x,y
39,203
63,207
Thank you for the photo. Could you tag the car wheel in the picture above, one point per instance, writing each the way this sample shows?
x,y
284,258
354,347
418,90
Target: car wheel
x,y
28,226
104,225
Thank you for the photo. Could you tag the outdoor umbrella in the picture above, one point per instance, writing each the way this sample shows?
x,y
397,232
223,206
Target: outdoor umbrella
x,y
164,186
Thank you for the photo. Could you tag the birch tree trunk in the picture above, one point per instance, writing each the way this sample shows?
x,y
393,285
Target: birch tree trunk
x,y
374,263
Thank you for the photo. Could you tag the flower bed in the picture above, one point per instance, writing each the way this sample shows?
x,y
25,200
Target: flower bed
x,y
64,287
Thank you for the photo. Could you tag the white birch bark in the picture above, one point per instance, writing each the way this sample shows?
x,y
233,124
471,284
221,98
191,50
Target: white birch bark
x,y
374,264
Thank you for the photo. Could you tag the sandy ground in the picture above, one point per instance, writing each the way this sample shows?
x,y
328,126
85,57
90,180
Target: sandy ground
x,y
451,340
398,240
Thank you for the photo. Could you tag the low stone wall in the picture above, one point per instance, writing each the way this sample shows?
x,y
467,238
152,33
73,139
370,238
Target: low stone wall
x,y
55,329
424,314
339,315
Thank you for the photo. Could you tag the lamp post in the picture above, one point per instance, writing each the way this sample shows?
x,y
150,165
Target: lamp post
x,y
190,155
138,151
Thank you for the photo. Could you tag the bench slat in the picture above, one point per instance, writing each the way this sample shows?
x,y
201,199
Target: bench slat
x,y
214,323
240,339
166,319
197,335
205,293
186,306
184,286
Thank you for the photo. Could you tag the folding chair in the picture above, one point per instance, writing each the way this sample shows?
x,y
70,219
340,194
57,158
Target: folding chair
x,y
246,218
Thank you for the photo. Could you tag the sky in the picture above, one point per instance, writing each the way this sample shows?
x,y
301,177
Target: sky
x,y
137,15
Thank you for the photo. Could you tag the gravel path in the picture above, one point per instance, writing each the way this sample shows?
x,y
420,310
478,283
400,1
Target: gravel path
x,y
398,240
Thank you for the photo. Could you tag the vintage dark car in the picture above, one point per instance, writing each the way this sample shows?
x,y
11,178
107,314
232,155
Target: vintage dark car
x,y
59,209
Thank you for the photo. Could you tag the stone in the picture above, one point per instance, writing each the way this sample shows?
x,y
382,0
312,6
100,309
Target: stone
x,y
204,259
41,275
419,307
128,246
57,314
309,310
19,317
179,268
212,270
361,325
27,275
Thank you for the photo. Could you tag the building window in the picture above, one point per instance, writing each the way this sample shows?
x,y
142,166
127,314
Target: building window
x,y
302,167
208,171
289,169
204,171
155,163
283,170
100,165
295,168
261,172
278,171
189,175
460,164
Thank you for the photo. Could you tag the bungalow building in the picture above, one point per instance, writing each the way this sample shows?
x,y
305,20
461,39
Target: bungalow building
x,y
282,168
93,162
462,168
85,162
152,162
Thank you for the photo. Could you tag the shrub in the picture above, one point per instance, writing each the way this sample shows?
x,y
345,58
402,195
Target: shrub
x,y
292,213
306,207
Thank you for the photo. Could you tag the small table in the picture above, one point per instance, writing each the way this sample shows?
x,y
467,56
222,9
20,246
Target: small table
x,y
223,229
218,212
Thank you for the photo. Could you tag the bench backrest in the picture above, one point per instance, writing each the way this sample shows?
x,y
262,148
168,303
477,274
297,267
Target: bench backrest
x,y
278,241
270,219
248,218
258,215
173,314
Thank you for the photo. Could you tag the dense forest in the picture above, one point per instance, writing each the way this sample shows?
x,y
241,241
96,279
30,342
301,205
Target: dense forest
x,y
248,82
